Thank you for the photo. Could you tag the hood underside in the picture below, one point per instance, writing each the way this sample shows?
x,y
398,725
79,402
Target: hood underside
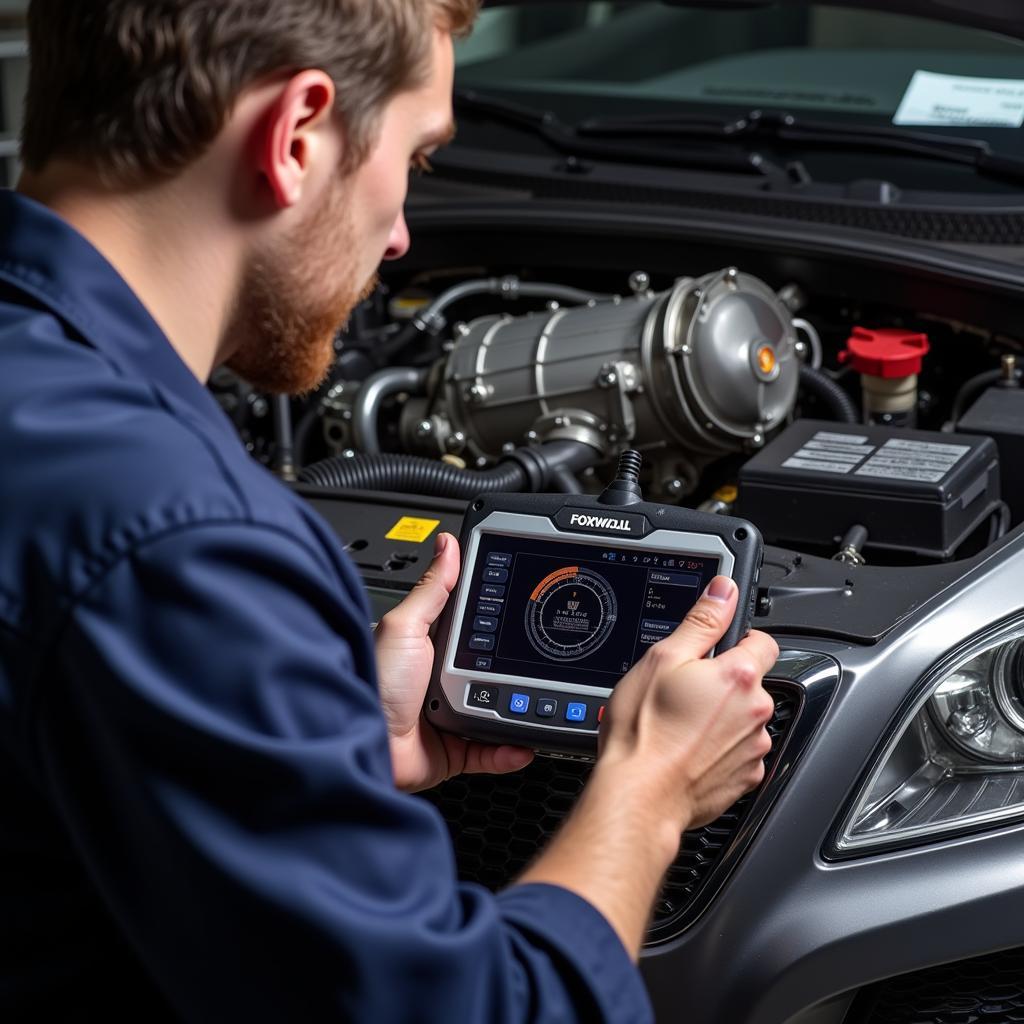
x,y
1003,16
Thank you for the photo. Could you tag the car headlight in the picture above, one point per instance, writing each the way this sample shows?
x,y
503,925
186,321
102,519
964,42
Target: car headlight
x,y
957,762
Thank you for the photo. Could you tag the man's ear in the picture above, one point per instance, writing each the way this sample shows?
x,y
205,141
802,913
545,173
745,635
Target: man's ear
x,y
291,136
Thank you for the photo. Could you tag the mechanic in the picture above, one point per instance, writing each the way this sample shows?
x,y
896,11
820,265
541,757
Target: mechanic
x,y
204,810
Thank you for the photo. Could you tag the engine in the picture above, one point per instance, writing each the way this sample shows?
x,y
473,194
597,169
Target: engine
x,y
706,368
704,376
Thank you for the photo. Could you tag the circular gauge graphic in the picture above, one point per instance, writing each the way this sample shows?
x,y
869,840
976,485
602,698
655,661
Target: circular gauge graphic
x,y
570,613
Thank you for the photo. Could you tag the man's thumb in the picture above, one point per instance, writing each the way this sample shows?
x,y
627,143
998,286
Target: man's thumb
x,y
426,600
706,622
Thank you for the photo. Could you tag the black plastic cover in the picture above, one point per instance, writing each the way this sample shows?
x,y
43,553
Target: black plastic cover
x,y
916,491
999,414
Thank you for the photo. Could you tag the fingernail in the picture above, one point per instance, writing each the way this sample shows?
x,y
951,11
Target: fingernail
x,y
720,588
440,544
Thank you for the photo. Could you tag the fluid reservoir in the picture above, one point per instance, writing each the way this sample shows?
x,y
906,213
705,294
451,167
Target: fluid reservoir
x,y
888,361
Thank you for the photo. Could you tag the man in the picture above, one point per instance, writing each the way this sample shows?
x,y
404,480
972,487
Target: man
x,y
202,806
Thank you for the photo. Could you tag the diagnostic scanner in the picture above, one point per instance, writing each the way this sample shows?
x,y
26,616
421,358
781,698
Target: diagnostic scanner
x,y
560,595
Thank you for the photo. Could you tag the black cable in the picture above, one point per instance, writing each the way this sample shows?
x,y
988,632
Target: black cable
x,y
973,387
999,523
284,444
308,422
828,391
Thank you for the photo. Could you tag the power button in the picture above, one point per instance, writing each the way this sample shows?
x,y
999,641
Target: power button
x,y
482,696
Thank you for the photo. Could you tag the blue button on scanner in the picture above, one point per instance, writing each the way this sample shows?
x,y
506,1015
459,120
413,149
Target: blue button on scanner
x,y
575,712
519,703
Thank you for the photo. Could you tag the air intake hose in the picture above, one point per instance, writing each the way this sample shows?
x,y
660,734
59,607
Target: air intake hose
x,y
526,469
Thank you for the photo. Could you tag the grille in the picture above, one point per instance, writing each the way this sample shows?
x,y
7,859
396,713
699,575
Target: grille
x,y
985,990
498,823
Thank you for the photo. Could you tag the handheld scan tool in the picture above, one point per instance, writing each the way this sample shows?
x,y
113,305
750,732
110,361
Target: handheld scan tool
x,y
560,595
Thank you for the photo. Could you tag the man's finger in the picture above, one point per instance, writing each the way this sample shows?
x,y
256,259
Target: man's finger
x,y
756,646
706,622
491,760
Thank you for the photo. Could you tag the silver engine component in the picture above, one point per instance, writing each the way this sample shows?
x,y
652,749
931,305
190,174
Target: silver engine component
x,y
708,367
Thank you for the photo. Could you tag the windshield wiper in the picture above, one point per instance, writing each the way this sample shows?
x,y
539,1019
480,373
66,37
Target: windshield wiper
x,y
571,142
781,126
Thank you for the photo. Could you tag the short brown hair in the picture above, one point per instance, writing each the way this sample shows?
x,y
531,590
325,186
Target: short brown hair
x,y
138,89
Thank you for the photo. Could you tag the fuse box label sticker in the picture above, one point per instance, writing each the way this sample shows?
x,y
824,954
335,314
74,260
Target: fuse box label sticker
x,y
830,452
415,531
913,460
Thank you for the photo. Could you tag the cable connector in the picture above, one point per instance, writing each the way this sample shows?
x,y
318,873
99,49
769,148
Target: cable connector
x,y
625,488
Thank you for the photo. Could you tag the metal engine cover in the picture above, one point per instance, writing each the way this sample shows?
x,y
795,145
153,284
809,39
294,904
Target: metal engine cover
x,y
709,366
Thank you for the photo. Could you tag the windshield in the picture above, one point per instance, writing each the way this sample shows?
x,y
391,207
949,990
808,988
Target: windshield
x,y
814,57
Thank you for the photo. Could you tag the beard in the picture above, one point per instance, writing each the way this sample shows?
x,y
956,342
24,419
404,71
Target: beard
x,y
284,317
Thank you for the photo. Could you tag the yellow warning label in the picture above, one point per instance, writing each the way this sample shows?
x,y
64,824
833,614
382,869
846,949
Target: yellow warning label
x,y
413,530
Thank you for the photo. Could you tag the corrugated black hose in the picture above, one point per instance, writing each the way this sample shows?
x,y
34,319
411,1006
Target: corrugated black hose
x,y
526,469
825,388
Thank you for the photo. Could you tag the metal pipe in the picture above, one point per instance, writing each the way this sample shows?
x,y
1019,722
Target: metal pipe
x,y
371,395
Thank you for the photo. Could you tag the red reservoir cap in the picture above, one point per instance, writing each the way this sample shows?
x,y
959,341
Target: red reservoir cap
x,y
889,352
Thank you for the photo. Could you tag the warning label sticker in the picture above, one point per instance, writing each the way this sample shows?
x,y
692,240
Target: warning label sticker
x,y
913,460
830,452
413,530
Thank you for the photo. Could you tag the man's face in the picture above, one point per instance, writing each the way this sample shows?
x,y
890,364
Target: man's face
x,y
296,293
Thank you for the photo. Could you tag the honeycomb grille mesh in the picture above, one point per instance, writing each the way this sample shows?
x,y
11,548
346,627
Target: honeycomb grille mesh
x,y
498,823
984,990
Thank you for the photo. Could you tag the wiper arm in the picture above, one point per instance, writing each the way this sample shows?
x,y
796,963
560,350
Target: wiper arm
x,y
571,142
786,127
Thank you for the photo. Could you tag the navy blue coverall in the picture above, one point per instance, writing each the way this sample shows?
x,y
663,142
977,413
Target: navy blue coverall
x,y
197,814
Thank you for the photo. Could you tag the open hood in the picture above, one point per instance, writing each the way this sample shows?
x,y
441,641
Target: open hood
x,y
1003,16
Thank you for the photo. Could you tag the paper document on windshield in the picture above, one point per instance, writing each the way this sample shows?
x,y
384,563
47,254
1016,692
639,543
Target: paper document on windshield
x,y
952,100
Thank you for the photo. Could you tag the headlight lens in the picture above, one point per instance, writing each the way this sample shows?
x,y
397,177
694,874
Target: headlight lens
x,y
958,761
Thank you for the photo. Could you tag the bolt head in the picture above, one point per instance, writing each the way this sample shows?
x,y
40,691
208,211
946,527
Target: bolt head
x,y
639,281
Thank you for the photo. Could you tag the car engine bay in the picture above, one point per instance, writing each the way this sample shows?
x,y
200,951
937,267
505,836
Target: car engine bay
x,y
458,380
856,396
740,371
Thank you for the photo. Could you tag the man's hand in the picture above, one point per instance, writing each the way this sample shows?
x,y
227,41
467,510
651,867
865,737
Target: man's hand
x,y
421,756
683,739
691,726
